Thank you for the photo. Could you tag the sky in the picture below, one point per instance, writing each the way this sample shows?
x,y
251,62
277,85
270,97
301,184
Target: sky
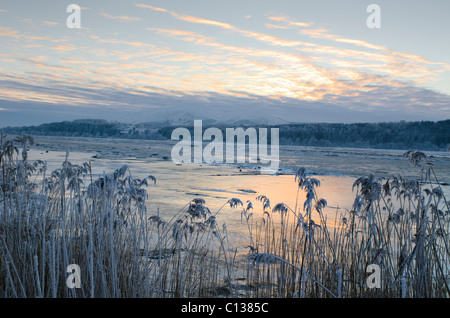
x,y
269,61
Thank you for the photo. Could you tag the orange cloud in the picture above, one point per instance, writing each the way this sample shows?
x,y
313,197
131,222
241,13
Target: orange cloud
x,y
192,19
5,31
122,18
63,48
141,5
289,22
34,96
75,61
360,43
258,36
285,68
49,23
274,26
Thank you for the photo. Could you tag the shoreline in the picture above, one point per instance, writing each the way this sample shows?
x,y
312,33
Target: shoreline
x,y
320,161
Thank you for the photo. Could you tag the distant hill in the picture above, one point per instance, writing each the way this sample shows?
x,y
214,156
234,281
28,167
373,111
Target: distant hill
x,y
423,135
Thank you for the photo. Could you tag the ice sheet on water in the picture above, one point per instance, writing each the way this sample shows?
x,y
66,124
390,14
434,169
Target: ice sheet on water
x,y
148,157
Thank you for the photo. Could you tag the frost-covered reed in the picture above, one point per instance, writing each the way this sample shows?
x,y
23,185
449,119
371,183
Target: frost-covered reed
x,y
398,226
49,220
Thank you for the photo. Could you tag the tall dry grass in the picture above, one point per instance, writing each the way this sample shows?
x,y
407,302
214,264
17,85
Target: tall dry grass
x,y
49,220
398,226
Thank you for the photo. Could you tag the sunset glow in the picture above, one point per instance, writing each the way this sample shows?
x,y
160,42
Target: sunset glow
x,y
257,51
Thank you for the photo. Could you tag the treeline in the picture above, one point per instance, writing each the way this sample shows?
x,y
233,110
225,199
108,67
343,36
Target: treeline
x,y
423,135
87,128
76,128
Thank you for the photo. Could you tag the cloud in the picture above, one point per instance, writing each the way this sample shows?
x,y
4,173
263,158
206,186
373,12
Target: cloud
x,y
213,62
396,60
289,23
322,33
75,61
49,23
293,75
192,19
50,66
6,31
122,18
274,26
63,48
360,43
58,102
272,40
123,42
393,61
141,5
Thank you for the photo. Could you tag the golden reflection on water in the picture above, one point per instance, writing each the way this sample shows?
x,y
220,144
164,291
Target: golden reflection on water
x,y
336,190
178,184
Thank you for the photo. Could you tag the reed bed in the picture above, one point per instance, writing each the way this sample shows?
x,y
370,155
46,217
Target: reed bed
x,y
393,242
50,220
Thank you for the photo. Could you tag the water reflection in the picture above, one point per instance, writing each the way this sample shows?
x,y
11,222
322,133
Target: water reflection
x,y
178,184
